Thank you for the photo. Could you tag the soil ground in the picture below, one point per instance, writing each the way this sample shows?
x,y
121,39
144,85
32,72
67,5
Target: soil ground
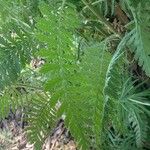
x,y
13,137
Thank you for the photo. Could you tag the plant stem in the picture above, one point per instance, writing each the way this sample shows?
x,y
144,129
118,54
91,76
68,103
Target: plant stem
x,y
101,19
94,3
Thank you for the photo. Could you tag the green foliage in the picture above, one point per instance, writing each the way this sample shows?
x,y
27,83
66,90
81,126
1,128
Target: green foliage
x,y
19,93
88,70
68,76
140,38
14,55
41,118
27,93
16,44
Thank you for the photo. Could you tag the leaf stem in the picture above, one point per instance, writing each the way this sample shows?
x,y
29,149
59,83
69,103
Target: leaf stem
x,y
101,19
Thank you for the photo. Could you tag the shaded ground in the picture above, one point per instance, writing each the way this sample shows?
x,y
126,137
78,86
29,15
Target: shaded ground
x,y
13,137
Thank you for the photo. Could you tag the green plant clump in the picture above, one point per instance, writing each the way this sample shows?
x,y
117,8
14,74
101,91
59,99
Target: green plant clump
x,y
97,66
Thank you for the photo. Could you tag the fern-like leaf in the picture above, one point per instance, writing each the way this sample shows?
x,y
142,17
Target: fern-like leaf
x,y
140,39
16,47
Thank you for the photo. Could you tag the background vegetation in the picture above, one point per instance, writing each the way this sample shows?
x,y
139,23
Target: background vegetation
x,y
96,56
